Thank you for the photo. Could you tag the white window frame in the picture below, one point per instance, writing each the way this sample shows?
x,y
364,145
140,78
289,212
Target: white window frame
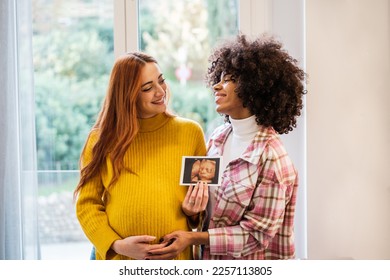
x,y
283,18
126,21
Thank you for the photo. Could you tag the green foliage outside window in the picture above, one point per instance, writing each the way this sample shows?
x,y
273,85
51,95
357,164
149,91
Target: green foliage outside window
x,y
73,60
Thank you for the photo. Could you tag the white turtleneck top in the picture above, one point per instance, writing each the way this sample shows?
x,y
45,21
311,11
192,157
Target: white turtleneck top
x,y
243,132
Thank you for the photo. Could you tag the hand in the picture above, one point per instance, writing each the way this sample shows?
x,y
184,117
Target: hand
x,y
174,243
196,199
135,247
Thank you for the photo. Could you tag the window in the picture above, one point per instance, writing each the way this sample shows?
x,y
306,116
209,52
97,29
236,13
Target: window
x,y
74,49
73,55
180,34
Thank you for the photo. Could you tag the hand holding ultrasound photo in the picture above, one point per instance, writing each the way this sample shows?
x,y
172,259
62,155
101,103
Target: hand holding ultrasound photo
x,y
205,169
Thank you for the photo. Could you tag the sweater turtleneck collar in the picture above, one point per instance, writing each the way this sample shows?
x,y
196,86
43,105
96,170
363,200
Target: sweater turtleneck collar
x,y
153,123
244,127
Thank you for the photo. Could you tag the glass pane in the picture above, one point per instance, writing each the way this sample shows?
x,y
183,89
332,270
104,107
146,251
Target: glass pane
x,y
180,35
73,56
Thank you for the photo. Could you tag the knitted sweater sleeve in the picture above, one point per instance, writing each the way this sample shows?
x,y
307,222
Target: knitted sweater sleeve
x,y
90,209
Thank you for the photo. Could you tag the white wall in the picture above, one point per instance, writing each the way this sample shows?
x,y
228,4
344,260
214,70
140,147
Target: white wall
x,y
348,129
342,142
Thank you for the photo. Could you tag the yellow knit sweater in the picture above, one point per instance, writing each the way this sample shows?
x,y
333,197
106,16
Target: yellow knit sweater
x,y
148,200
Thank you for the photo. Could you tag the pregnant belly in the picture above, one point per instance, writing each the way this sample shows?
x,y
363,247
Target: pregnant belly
x,y
155,221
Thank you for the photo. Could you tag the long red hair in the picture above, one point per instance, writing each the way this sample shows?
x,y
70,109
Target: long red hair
x,y
117,122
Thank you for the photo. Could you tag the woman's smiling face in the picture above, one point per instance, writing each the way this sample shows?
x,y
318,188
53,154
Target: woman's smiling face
x,y
152,98
226,99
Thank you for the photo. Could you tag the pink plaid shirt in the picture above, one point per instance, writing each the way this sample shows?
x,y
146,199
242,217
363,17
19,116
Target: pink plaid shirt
x,y
254,212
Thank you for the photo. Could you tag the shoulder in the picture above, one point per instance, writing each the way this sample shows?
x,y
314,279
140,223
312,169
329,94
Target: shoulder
x,y
275,144
275,152
92,138
185,123
220,130
94,135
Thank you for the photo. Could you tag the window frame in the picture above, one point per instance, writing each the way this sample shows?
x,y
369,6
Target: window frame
x,y
255,17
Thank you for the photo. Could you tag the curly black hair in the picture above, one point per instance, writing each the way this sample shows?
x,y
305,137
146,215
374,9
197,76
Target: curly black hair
x,y
269,81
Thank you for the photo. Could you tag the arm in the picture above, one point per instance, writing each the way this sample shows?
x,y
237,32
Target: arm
x,y
90,209
246,221
195,203
257,227
91,214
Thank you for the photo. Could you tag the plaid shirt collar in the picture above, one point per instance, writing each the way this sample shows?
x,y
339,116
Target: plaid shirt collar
x,y
254,150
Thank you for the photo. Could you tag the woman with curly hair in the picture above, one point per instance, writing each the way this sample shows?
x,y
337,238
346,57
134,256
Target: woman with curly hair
x,y
259,88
